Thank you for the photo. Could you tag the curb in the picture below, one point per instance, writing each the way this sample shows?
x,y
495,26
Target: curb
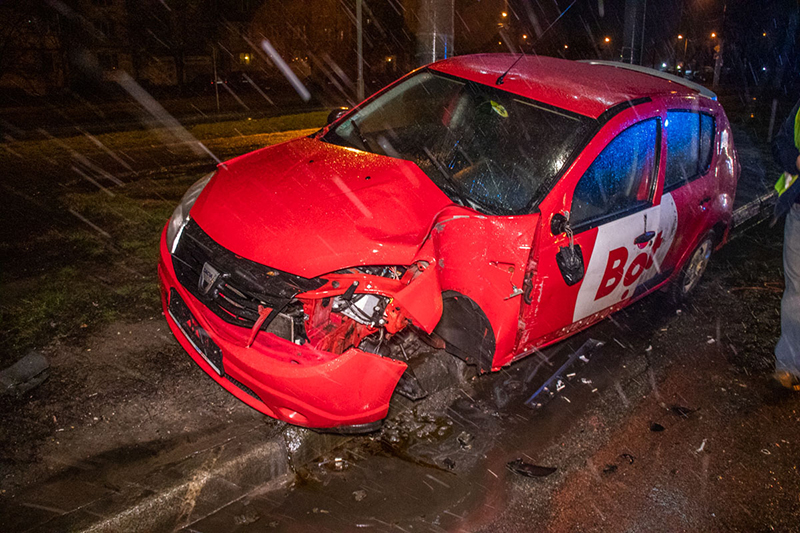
x,y
182,486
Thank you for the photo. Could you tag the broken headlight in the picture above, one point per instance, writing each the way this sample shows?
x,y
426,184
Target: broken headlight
x,y
364,308
181,214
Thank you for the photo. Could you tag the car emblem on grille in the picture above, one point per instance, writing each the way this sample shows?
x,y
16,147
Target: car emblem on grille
x,y
208,278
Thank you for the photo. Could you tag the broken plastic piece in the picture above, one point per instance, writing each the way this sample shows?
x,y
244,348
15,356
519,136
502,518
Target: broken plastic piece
x,y
465,440
628,457
518,466
589,347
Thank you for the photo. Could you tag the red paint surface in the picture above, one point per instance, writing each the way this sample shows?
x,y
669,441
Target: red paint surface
x,y
579,87
297,384
311,208
307,207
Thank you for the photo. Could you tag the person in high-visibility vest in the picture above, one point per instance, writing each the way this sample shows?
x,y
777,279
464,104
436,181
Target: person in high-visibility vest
x,y
786,149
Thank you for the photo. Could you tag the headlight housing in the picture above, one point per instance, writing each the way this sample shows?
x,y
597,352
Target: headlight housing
x,y
181,214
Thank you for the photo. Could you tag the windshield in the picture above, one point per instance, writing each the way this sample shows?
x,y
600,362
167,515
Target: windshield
x,y
485,148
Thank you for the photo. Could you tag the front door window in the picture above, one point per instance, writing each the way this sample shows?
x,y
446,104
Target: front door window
x,y
620,181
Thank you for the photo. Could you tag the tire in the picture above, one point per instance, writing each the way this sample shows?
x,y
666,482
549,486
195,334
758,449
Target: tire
x,y
692,271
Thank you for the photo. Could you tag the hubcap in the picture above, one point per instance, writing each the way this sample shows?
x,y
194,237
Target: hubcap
x,y
696,267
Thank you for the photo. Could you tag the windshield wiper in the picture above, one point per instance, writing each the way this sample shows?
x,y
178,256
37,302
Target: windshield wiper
x,y
452,185
357,130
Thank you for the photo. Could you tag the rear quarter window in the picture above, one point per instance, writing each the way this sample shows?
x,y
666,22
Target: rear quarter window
x,y
690,144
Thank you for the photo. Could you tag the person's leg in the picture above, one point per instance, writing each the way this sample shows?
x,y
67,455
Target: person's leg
x,y
787,351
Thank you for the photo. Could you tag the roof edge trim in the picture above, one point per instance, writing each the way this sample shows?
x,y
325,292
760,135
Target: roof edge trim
x,y
657,73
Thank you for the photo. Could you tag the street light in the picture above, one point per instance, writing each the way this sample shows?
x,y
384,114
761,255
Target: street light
x,y
607,40
713,35
504,14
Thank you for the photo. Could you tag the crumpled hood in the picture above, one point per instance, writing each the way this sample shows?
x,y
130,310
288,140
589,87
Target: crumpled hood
x,y
309,207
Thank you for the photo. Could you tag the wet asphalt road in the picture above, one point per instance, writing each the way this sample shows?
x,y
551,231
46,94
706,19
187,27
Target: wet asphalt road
x,y
672,426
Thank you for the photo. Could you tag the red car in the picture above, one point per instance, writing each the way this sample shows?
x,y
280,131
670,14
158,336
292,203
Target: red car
x,y
494,204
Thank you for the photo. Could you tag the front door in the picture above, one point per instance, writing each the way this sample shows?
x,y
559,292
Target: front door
x,y
621,229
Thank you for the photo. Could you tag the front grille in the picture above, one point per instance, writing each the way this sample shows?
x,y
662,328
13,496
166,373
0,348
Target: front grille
x,y
240,286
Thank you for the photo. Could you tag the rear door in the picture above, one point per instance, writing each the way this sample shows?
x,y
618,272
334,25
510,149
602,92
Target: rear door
x,y
689,182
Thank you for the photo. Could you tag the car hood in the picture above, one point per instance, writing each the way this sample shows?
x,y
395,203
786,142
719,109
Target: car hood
x,y
309,207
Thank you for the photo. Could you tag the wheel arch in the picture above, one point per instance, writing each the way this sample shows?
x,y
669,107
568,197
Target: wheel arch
x,y
466,330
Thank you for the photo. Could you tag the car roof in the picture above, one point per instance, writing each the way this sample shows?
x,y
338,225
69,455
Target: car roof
x,y
586,88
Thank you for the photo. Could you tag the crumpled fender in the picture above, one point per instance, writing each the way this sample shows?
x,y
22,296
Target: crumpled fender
x,y
422,299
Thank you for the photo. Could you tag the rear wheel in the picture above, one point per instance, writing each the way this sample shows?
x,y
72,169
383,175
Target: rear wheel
x,y
693,270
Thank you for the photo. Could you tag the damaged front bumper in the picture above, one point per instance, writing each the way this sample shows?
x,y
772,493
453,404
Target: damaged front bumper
x,y
299,384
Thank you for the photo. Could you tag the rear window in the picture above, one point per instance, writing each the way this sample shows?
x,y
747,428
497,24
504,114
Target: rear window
x,y
690,143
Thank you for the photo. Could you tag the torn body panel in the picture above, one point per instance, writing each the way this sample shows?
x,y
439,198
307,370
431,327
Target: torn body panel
x,y
310,371
474,262
302,384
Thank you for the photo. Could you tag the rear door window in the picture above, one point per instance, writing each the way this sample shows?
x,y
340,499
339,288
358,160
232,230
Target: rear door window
x,y
690,142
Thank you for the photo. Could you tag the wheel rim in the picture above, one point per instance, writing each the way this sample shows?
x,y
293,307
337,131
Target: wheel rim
x,y
696,267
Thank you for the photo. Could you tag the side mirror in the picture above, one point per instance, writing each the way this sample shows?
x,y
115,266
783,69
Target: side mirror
x,y
336,114
570,262
558,224
569,258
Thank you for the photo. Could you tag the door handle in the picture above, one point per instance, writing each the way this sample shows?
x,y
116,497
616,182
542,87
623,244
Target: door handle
x,y
647,236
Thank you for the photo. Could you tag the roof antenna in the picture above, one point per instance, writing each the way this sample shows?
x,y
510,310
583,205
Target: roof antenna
x,y
503,75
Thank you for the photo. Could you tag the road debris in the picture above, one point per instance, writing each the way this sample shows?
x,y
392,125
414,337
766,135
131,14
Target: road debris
x,y
628,457
359,495
523,468
465,440
610,469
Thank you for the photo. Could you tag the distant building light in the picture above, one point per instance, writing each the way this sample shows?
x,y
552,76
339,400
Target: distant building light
x,y
244,59
504,14
663,65
566,46
680,36
607,40
764,34
713,35
524,36
764,69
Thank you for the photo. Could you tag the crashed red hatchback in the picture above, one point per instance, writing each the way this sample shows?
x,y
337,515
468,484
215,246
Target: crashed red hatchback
x,y
494,204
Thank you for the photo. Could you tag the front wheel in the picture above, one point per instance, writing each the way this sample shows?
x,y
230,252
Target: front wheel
x,y
692,270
